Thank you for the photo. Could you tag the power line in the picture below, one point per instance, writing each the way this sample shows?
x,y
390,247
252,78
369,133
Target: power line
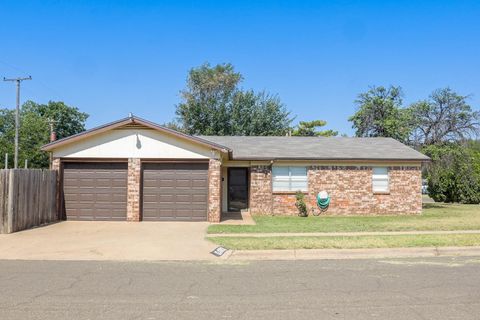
x,y
17,115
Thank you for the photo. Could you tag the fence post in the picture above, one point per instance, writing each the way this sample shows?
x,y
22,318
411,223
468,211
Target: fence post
x,y
10,201
6,160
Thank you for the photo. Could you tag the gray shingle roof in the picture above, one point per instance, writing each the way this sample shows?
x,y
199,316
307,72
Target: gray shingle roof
x,y
321,148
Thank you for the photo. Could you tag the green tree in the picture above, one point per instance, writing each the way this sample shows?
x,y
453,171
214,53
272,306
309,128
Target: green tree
x,y
454,173
68,120
444,117
174,125
213,104
206,99
257,114
380,114
310,128
34,130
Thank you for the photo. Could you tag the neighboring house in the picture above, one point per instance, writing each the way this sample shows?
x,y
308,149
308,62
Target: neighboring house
x,y
133,169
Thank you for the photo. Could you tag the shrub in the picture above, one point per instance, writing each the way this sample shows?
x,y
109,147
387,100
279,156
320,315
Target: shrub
x,y
454,174
300,204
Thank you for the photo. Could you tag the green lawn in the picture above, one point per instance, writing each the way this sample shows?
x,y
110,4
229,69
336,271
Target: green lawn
x,y
354,242
434,217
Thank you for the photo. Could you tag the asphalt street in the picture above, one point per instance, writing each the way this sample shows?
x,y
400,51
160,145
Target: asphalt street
x,y
432,288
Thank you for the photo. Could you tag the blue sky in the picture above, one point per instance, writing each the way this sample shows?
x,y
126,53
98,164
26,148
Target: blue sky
x,y
109,58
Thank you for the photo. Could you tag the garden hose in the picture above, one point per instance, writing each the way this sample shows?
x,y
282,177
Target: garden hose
x,y
323,200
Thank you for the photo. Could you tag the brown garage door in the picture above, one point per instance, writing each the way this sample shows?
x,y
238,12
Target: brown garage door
x,y
95,191
175,191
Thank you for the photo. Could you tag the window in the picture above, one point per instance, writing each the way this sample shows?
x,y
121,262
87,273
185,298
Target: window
x,y
289,179
380,179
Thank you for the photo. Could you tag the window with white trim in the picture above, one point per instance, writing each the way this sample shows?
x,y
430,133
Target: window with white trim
x,y
289,178
380,181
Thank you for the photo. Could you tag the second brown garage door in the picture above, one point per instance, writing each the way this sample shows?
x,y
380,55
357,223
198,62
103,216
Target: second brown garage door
x,y
95,191
175,191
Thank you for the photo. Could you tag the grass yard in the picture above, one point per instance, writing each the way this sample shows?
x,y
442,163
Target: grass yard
x,y
354,242
435,216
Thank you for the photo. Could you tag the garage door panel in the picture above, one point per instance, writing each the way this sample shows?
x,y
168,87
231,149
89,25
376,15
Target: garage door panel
x,y
199,198
110,206
182,191
199,183
187,183
108,183
186,198
154,198
161,188
175,191
198,213
95,191
155,184
98,206
198,191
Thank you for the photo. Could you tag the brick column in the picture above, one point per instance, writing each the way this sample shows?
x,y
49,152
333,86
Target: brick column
x,y
56,165
214,190
261,190
133,189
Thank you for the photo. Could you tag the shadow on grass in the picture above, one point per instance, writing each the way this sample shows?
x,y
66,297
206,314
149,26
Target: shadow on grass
x,y
433,205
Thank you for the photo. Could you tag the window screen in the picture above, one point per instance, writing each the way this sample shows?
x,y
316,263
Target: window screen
x,y
380,179
289,179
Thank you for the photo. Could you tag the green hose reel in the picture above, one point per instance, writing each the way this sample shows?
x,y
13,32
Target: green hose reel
x,y
323,201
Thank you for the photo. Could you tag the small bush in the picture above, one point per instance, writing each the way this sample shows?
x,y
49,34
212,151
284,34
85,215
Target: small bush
x,y
300,204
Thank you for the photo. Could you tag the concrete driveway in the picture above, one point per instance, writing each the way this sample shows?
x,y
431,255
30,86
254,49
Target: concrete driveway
x,y
94,240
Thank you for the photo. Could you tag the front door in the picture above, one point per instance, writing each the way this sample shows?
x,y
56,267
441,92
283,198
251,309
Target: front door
x,y
237,189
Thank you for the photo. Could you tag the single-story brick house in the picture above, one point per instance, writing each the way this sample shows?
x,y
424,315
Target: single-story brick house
x,y
133,169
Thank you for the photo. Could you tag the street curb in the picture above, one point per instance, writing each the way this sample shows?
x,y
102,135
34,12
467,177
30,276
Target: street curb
x,y
339,254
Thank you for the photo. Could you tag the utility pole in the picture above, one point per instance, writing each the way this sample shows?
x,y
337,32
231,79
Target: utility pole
x,y
53,136
17,116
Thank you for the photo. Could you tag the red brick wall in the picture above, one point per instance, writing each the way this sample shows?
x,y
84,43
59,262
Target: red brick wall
x,y
214,190
350,189
261,190
284,204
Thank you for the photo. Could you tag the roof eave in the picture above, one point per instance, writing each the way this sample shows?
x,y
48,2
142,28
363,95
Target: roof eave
x,y
328,159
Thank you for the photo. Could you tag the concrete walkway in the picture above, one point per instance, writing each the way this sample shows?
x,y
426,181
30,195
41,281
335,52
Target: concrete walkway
x,y
337,234
95,240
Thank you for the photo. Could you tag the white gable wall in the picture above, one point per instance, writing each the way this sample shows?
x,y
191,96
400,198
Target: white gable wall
x,y
133,143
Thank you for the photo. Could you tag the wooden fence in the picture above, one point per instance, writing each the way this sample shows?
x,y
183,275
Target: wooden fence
x,y
27,198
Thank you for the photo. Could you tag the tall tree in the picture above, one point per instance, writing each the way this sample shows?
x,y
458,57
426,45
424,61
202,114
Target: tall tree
x,y
380,114
206,99
311,128
213,104
35,131
454,174
257,114
444,117
68,120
